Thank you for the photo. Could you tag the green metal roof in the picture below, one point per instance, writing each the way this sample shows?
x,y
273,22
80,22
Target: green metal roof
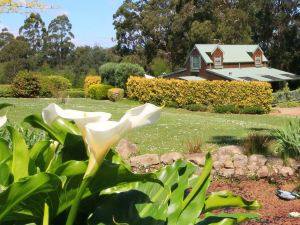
x,y
254,73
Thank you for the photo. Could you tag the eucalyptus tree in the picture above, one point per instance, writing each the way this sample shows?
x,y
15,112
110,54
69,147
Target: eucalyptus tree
x,y
5,37
60,40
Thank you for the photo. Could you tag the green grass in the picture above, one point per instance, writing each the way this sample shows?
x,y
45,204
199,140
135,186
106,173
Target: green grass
x,y
174,129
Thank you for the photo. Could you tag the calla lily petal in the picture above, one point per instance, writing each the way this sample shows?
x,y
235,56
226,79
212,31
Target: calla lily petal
x,y
3,120
100,137
53,111
142,115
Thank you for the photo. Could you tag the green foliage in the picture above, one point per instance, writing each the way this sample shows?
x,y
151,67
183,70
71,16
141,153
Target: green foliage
x,y
75,93
256,143
5,90
196,107
99,91
159,66
54,86
115,94
225,109
252,110
26,85
116,74
288,138
172,104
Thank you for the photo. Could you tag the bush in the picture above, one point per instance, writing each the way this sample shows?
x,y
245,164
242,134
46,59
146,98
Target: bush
x,y
116,74
26,85
54,86
99,91
196,107
288,138
225,109
252,110
5,90
240,94
256,143
115,94
88,81
75,93
172,104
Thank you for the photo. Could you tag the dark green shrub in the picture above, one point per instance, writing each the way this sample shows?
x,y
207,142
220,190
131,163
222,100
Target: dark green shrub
x,y
75,93
252,110
5,90
99,91
196,107
115,94
225,109
172,104
26,85
116,74
54,86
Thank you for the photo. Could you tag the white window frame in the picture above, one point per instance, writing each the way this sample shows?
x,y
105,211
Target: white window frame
x,y
218,61
258,60
193,59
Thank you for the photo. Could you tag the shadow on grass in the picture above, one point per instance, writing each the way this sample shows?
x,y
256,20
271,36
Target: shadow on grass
x,y
225,140
256,129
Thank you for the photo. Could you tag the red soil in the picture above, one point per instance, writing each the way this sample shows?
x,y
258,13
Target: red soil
x,y
274,211
287,111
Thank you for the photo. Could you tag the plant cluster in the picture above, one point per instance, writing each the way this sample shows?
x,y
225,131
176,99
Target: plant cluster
x,y
46,183
32,84
257,143
99,91
223,95
115,94
90,80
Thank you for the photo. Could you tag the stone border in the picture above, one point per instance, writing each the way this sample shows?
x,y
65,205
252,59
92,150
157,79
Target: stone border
x,y
228,161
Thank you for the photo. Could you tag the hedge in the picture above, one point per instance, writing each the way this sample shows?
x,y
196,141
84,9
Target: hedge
x,y
90,80
99,91
240,94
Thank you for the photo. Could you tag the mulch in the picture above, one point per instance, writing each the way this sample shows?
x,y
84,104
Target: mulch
x,y
274,211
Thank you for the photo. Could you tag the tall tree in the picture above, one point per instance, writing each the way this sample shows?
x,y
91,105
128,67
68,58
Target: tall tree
x,y
34,31
60,40
5,37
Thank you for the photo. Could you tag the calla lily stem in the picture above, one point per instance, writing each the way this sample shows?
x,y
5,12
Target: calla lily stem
x,y
75,204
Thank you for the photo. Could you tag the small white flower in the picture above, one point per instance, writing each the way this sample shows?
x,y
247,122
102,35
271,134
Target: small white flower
x,y
3,120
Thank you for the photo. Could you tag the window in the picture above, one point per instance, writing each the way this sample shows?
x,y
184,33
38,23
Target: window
x,y
257,60
195,62
218,61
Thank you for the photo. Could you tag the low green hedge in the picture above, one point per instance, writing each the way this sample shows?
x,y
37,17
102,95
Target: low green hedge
x,y
75,93
5,91
99,91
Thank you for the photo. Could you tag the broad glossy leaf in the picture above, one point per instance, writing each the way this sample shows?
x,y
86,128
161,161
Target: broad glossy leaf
x,y
41,154
58,130
5,152
20,159
26,188
227,218
4,174
71,168
221,199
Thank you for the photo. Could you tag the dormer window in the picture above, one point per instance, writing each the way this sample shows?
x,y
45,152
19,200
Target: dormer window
x,y
195,62
257,60
218,61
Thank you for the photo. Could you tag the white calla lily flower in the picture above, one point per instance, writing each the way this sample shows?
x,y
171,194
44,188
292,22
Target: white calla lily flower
x,y
100,136
3,120
81,118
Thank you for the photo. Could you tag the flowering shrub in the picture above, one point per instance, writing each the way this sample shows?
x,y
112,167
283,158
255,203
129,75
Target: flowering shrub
x,y
239,94
90,80
115,94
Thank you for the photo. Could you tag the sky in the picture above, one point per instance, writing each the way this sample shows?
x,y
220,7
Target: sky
x,y
91,20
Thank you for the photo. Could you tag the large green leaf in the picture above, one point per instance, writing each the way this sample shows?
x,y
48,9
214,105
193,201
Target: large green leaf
x,y
5,152
58,130
4,174
227,218
20,159
4,105
24,189
41,154
221,199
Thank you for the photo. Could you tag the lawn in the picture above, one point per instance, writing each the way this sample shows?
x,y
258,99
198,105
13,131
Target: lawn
x,y
172,132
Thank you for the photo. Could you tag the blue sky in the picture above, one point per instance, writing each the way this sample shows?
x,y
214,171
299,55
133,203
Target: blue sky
x,y
91,19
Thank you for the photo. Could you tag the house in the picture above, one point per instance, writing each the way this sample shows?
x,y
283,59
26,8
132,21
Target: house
x,y
229,62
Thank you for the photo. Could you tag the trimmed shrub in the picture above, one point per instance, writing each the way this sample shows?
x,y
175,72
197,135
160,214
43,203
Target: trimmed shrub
x,y
196,107
75,93
5,90
54,86
89,80
116,74
26,85
252,110
240,94
99,91
115,94
225,109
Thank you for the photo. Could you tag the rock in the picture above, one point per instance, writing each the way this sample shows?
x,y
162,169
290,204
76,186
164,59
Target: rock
x,y
240,172
231,150
275,161
293,163
169,158
217,165
263,171
228,164
226,172
224,158
240,161
259,160
252,168
145,160
197,158
126,149
286,171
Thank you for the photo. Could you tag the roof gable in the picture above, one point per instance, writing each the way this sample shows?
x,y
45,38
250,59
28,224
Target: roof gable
x,y
231,53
